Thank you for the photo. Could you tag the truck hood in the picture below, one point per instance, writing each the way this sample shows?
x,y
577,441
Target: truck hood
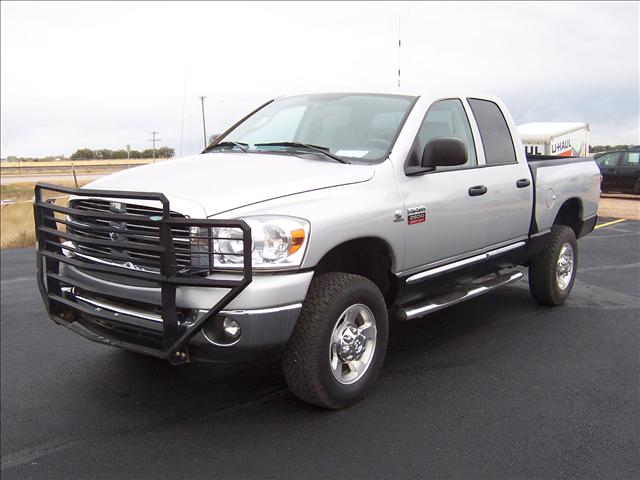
x,y
222,181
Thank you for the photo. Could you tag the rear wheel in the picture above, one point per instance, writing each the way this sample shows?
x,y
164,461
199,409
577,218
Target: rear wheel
x,y
552,273
338,345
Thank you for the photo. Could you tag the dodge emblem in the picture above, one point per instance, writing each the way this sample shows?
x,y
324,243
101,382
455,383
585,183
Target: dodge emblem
x,y
117,207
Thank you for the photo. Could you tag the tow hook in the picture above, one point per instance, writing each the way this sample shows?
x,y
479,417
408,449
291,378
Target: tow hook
x,y
179,357
68,316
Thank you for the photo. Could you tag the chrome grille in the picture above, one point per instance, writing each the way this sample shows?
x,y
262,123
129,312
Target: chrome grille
x,y
129,231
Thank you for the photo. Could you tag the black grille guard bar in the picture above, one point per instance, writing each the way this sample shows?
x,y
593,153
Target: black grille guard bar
x,y
68,313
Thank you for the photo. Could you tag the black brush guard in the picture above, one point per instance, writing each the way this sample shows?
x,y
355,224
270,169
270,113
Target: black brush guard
x,y
171,341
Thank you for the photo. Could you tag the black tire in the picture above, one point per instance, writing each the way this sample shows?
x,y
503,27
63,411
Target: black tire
x,y
636,187
543,282
306,357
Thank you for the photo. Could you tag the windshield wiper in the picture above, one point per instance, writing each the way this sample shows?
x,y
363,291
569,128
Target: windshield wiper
x,y
241,146
316,148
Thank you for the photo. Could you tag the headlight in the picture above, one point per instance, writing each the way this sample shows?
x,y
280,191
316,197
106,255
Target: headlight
x,y
277,243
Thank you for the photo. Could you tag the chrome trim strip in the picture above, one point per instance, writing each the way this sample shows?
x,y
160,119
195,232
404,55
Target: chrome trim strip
x,y
117,309
432,307
500,251
455,258
260,311
158,318
445,268
462,263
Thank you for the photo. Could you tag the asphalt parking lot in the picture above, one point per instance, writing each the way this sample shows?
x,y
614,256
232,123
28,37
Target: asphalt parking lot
x,y
498,387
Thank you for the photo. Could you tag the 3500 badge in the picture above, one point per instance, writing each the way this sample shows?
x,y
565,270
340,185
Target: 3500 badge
x,y
416,215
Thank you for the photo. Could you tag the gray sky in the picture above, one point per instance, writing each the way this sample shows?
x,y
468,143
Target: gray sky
x,y
103,75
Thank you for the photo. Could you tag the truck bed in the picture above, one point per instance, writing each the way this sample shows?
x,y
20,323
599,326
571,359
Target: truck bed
x,y
558,179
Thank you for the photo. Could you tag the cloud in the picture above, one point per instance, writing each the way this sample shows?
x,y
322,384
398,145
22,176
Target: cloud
x,y
106,74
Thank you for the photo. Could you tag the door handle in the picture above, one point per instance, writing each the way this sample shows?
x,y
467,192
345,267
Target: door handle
x,y
477,190
523,182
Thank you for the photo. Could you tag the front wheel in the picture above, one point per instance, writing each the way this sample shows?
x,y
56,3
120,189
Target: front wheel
x,y
337,348
552,273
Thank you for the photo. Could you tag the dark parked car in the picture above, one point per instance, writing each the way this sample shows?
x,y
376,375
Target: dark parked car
x,y
620,171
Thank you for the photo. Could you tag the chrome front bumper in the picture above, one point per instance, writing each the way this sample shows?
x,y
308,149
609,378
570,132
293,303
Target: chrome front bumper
x,y
266,311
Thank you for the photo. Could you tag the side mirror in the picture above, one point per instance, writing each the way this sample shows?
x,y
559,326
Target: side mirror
x,y
444,152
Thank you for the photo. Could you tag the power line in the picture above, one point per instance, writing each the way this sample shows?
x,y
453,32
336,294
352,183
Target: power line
x,y
154,140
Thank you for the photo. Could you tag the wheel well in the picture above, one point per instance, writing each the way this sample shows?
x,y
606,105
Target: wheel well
x,y
570,214
369,257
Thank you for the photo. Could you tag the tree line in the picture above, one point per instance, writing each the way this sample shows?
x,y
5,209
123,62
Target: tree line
x,y
102,153
105,153
607,148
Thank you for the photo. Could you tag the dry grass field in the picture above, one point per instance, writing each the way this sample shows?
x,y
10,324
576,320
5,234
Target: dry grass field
x,y
16,220
67,166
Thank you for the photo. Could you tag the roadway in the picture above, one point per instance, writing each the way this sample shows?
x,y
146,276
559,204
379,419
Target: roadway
x,y
498,387
49,177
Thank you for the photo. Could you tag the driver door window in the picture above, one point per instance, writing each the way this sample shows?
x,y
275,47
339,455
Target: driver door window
x,y
610,160
446,118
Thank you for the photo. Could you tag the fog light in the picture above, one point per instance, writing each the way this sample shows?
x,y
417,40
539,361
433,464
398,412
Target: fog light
x,y
222,331
231,328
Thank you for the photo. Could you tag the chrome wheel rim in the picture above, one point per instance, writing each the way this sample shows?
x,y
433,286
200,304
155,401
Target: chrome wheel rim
x,y
564,268
353,343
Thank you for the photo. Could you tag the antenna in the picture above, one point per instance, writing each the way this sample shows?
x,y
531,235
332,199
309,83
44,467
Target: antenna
x,y
204,125
184,97
399,46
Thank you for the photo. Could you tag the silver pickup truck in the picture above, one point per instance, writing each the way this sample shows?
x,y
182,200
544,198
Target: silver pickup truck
x,y
307,227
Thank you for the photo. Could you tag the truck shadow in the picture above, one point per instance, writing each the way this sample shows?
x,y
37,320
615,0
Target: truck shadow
x,y
191,390
194,390
427,343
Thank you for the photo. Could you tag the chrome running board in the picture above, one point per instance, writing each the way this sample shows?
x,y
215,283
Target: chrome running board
x,y
461,294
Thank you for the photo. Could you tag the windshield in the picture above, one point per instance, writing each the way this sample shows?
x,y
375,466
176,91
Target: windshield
x,y
351,126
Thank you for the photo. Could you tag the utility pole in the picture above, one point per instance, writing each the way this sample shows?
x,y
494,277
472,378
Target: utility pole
x,y
204,125
154,140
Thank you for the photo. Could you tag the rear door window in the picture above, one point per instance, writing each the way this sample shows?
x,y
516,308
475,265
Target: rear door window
x,y
496,139
630,159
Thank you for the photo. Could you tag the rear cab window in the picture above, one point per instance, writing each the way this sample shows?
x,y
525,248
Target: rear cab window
x,y
494,132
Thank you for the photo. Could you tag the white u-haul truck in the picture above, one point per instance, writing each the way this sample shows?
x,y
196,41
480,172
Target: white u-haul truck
x,y
567,139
